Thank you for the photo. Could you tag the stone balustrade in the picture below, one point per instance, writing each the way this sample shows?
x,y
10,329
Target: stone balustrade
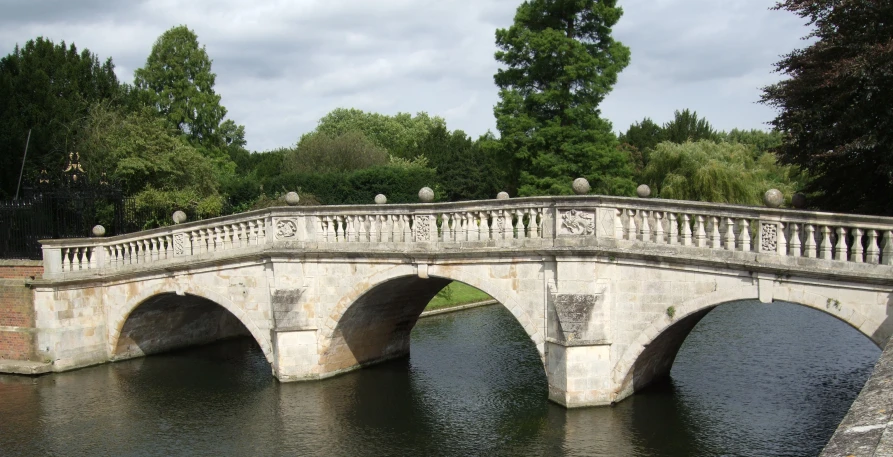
x,y
508,224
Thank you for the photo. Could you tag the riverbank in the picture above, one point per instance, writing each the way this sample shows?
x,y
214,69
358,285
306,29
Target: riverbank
x,y
454,308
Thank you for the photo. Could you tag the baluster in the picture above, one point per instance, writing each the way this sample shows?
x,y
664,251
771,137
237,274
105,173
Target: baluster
x,y
715,241
826,243
873,254
339,232
262,231
632,231
445,228
484,226
840,251
673,228
472,227
730,234
374,232
407,228
794,245
809,247
887,253
134,254
251,234
116,255
154,245
686,230
744,235
646,229
78,258
700,232
396,228
520,227
658,227
533,227
857,251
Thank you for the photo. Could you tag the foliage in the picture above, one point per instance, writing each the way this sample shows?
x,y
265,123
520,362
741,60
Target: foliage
x,y
400,185
560,62
644,135
760,140
325,153
835,105
717,172
686,126
47,88
465,170
151,162
399,135
178,83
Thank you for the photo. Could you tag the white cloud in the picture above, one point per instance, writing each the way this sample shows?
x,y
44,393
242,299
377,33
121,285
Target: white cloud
x,y
281,65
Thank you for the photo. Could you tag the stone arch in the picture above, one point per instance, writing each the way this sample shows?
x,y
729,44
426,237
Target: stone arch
x,y
382,342
118,316
652,352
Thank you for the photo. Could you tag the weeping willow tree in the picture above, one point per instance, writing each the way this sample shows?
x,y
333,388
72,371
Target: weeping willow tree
x,y
717,172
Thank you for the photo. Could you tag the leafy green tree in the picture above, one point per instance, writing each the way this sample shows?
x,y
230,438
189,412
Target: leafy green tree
x,y
47,88
761,140
400,135
178,83
686,126
560,62
325,153
717,172
834,107
465,170
643,135
151,161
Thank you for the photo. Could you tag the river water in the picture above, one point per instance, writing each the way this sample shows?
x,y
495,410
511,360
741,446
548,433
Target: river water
x,y
751,379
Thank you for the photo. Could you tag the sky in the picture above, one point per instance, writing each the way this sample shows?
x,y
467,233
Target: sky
x,y
283,64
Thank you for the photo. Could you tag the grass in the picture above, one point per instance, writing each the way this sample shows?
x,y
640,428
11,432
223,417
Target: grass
x,y
455,294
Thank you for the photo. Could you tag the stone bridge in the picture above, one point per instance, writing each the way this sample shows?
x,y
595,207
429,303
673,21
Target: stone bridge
x,y
607,288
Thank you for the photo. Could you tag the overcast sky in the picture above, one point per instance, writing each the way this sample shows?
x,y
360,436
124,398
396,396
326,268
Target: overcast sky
x,y
281,65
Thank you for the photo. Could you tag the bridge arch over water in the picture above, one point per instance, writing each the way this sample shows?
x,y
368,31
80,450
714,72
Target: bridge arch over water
x,y
592,280
651,354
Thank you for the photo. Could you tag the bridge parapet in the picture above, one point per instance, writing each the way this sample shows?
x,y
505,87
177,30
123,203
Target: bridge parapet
x,y
699,229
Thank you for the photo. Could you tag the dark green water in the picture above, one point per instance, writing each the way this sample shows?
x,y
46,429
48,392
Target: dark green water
x,y
751,379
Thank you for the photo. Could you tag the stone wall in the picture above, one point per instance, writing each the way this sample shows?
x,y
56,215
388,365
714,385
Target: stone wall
x,y
17,308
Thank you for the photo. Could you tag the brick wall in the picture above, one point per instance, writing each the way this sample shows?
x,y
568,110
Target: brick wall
x,y
17,308
20,269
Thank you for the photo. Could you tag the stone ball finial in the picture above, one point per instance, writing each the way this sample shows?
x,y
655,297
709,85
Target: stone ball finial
x,y
179,217
773,198
98,230
643,191
502,196
581,186
798,200
426,195
292,198
380,199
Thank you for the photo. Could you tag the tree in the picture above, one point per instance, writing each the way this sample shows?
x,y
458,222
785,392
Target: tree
x,y
717,172
560,63
400,135
834,110
686,126
178,83
151,161
465,169
47,88
324,153
643,135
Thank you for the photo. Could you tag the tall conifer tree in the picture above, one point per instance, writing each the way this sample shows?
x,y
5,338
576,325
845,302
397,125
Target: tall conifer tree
x,y
560,62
